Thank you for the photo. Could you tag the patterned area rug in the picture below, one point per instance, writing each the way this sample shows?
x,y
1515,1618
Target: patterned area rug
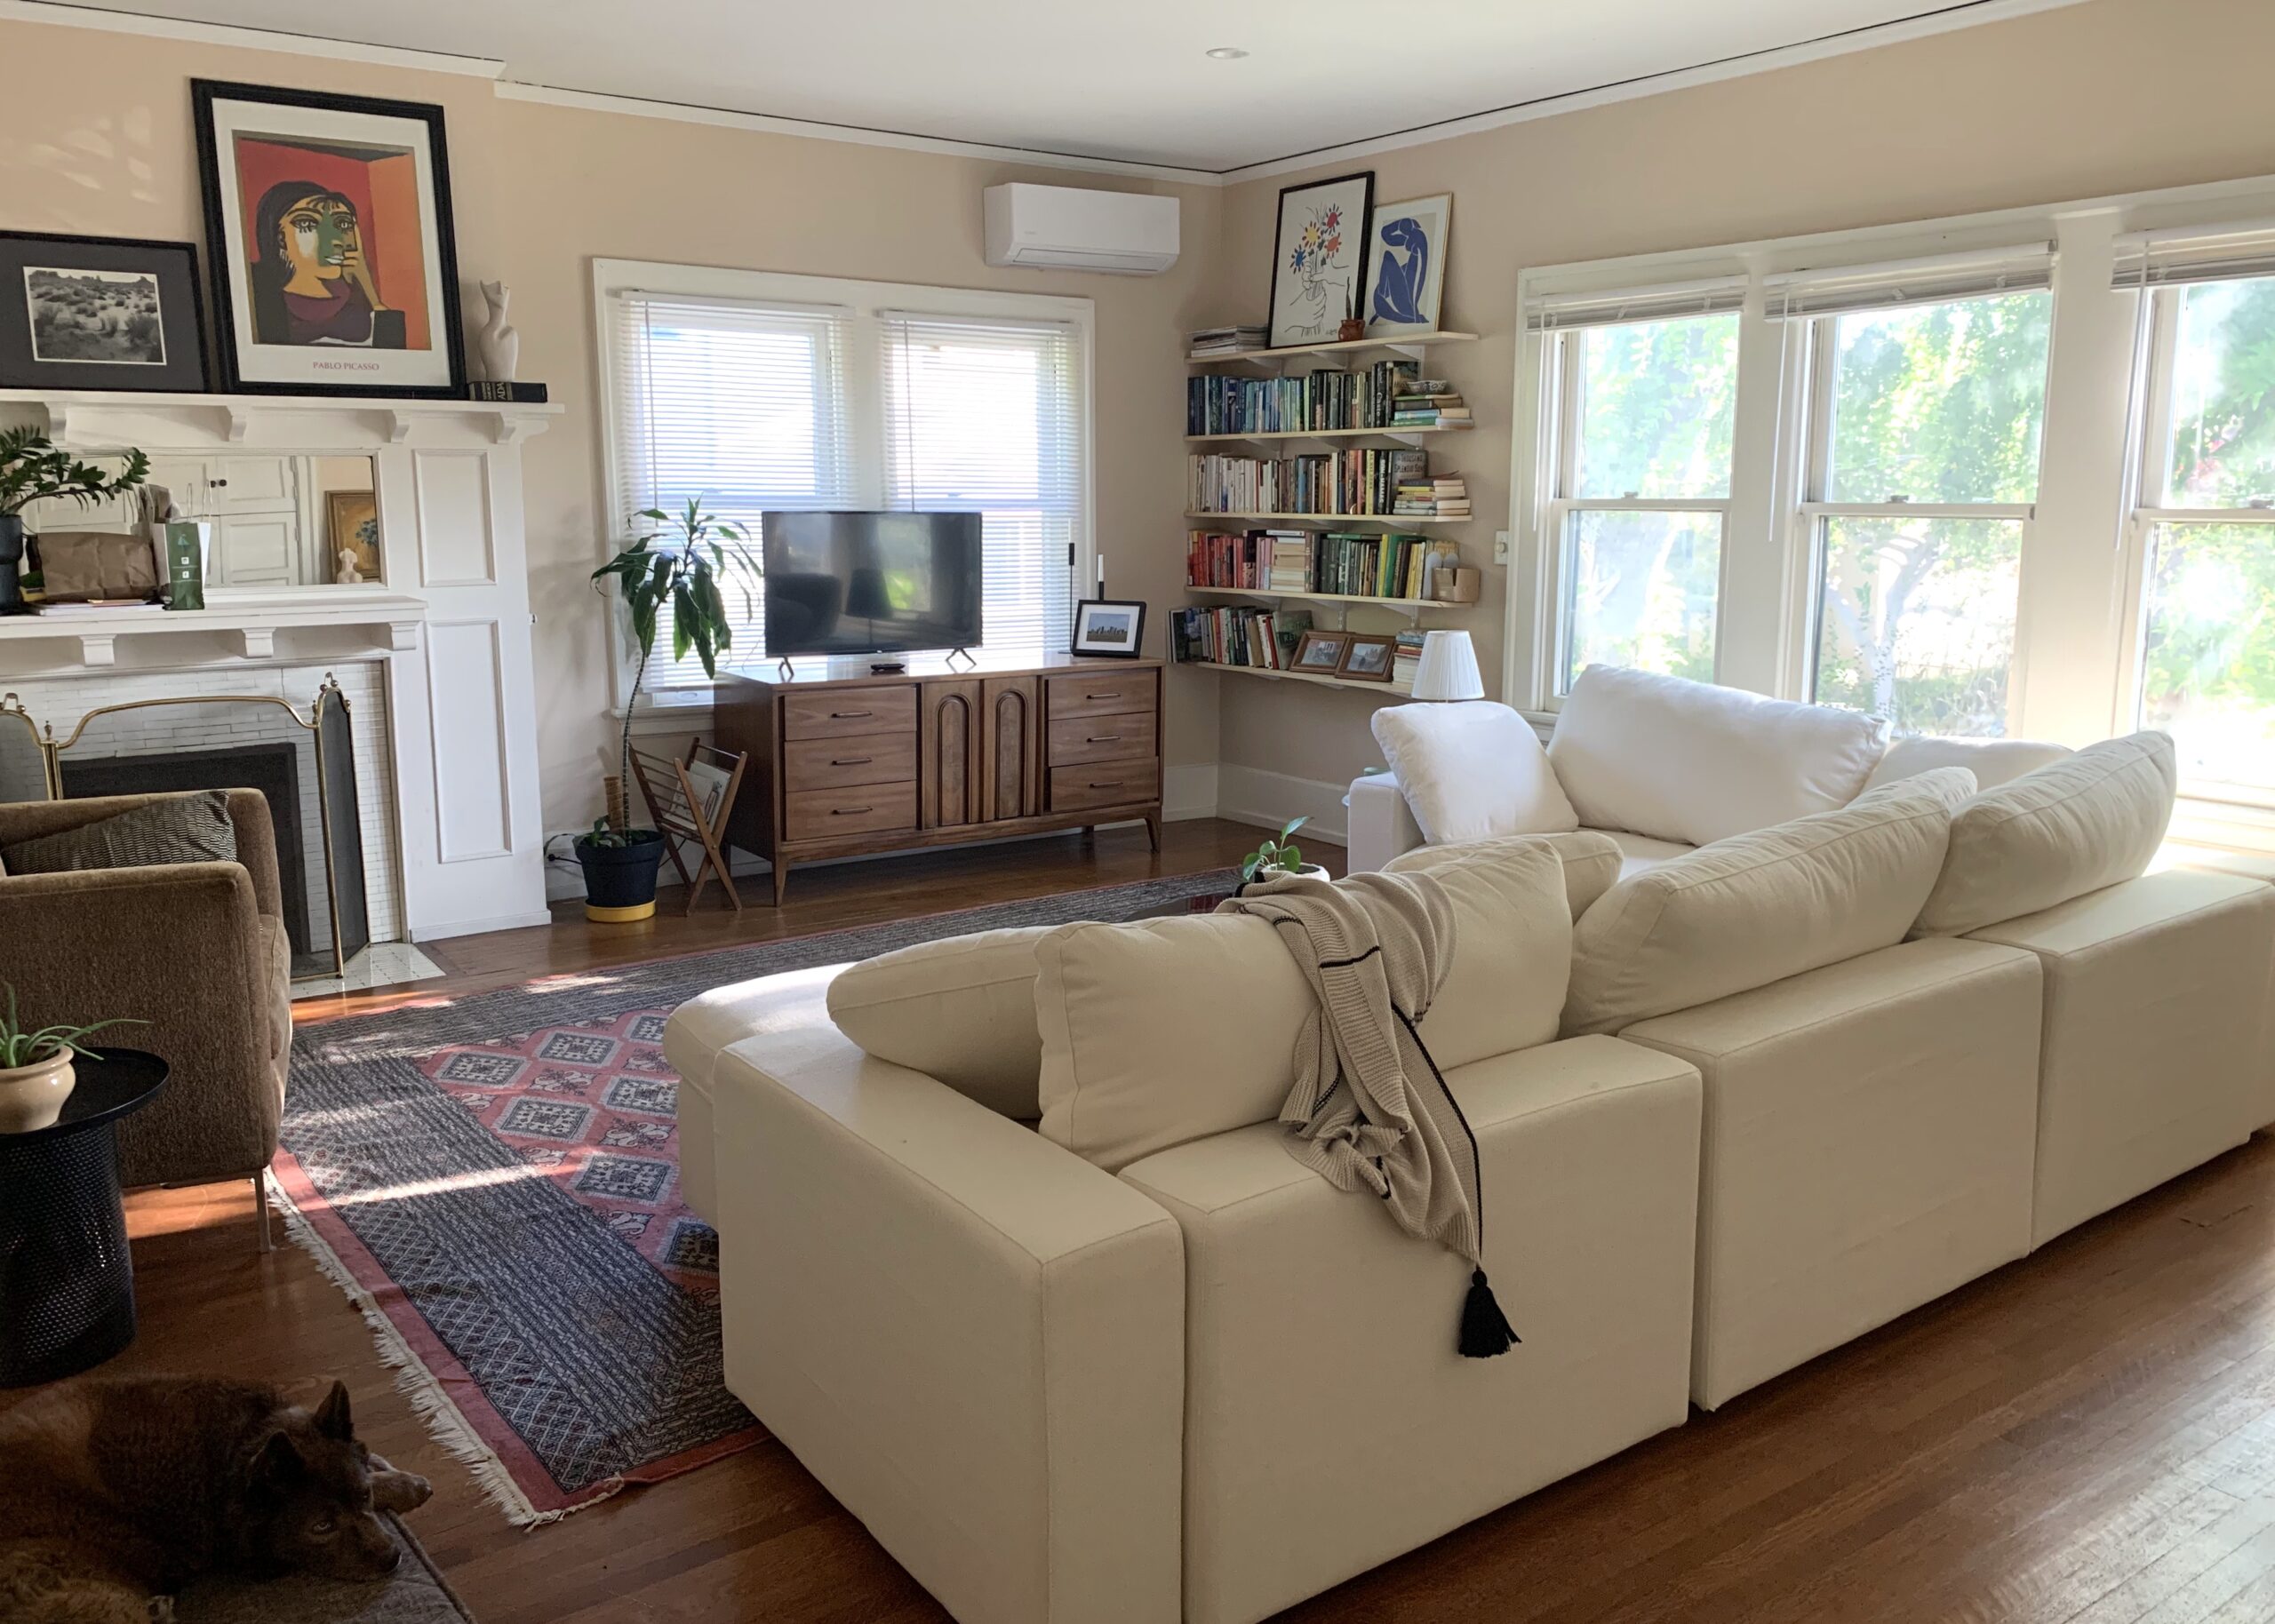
x,y
494,1180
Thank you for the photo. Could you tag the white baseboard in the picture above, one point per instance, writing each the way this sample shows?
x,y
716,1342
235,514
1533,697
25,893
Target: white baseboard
x,y
504,921
1247,795
1189,791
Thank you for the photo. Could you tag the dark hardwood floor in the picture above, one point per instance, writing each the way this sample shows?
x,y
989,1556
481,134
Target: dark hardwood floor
x,y
2085,1437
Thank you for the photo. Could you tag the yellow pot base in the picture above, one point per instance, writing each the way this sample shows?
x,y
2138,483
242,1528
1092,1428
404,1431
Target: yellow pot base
x,y
620,916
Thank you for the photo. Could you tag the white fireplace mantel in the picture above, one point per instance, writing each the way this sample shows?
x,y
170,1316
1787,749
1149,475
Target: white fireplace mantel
x,y
449,624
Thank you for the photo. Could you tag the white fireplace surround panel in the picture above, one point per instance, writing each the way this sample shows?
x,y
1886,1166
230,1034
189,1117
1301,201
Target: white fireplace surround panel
x,y
439,652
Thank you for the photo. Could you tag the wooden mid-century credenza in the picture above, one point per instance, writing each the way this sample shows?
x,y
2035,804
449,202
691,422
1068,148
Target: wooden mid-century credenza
x,y
845,766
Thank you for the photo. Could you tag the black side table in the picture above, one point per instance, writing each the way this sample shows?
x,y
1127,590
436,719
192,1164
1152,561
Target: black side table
x,y
67,1284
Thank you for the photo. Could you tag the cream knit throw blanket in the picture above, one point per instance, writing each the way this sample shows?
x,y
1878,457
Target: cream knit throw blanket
x,y
1368,1111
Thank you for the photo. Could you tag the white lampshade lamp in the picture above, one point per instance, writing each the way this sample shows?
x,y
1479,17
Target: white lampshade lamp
x,y
1448,668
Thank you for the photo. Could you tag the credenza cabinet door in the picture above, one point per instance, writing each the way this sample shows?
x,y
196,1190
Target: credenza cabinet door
x,y
1010,747
947,771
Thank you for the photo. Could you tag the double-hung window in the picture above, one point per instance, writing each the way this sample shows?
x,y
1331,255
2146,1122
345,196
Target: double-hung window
x,y
2203,527
756,393
1925,404
1642,396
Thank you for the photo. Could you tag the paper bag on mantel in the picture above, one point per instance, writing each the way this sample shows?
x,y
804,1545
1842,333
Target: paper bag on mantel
x,y
96,566
184,544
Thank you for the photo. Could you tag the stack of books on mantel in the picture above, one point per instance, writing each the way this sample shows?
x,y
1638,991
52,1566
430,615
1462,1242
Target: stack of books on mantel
x,y
1428,402
1227,340
1443,497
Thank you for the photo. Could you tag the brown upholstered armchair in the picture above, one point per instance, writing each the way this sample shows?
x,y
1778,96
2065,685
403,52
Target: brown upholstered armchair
x,y
197,950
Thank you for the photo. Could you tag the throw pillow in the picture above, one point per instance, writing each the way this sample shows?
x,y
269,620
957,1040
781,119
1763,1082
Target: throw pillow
x,y
1591,859
1472,770
1693,762
193,828
2089,820
961,1010
1760,907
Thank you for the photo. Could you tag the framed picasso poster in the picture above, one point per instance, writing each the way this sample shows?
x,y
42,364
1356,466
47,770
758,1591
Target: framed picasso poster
x,y
328,220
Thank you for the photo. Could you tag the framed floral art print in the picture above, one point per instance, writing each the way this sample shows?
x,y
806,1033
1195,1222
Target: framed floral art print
x,y
1319,259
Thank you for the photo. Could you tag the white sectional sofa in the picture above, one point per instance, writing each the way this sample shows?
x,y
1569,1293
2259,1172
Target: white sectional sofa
x,y
1015,1261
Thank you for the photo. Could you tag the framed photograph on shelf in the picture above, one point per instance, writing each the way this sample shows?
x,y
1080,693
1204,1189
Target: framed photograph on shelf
x,y
1406,255
1109,627
1366,659
1320,654
329,221
98,313
1319,259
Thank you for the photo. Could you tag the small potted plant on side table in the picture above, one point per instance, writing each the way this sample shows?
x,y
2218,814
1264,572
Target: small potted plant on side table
x,y
33,469
684,569
1280,856
36,1073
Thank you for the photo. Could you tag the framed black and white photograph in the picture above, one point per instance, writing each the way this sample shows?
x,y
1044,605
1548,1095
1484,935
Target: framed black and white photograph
x,y
1406,259
1319,259
335,261
1366,657
1320,654
1109,627
98,313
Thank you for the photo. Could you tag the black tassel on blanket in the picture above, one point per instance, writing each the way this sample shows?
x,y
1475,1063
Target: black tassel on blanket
x,y
1484,1329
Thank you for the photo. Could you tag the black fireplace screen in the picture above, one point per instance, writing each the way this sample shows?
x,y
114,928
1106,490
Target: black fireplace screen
x,y
303,764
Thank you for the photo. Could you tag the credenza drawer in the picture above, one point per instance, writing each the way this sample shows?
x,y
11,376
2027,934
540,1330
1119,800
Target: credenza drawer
x,y
1125,737
1101,693
1104,784
843,713
833,763
866,809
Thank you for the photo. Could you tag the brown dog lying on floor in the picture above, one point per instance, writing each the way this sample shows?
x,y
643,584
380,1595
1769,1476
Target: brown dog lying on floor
x,y
116,1492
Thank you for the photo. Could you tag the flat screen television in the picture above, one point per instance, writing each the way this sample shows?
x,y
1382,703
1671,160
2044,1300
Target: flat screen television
x,y
860,582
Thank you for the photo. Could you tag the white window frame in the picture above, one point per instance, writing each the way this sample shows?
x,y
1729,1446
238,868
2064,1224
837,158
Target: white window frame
x,y
864,409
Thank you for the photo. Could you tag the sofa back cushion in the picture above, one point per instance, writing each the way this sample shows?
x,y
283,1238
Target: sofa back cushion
x,y
961,1010
1167,1031
1993,761
2088,820
1690,762
1471,771
1757,908
1590,861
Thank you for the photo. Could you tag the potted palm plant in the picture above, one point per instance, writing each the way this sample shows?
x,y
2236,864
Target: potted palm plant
x,y
33,469
36,1073
685,568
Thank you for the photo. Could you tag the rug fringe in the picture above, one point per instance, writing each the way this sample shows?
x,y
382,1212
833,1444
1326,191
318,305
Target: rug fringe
x,y
429,1399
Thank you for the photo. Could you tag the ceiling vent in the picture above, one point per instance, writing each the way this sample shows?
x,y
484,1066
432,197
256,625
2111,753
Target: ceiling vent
x,y
1068,228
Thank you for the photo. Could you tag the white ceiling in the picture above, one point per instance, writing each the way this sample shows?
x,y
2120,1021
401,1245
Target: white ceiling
x,y
1092,78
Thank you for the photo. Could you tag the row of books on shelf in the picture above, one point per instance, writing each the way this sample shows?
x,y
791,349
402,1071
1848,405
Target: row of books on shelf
x,y
1227,340
1285,640
1359,481
1374,566
1390,395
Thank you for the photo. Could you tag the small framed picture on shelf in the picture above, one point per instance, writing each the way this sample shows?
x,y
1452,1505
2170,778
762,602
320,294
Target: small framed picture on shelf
x,y
98,313
1321,654
1319,259
1368,657
1113,629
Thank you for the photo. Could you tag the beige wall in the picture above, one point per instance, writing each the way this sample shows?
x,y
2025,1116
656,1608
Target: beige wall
x,y
2086,101
97,138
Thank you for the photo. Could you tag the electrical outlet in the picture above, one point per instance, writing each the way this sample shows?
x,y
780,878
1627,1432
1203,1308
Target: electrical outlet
x,y
1500,547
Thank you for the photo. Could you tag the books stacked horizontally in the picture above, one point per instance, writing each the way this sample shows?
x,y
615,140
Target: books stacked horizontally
x,y
1264,638
1353,481
1442,496
1406,659
1329,399
1227,340
1428,402
1339,564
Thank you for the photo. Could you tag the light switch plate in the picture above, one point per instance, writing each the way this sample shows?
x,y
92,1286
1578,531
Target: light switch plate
x,y
1500,547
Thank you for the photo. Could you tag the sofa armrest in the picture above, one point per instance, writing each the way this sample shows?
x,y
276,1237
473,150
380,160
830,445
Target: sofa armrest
x,y
972,1337
179,946
1381,826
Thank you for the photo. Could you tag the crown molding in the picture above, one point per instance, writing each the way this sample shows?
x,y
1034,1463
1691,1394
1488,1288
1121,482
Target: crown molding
x,y
57,13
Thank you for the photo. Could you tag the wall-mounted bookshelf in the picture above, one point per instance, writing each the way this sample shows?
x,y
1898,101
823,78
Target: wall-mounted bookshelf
x,y
1402,346
1403,605
1333,521
1379,690
1335,434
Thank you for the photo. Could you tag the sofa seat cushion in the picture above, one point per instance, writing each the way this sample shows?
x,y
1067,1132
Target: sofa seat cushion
x,y
1166,1031
1591,860
1756,908
961,1009
173,829
1472,770
1640,852
1690,762
2085,822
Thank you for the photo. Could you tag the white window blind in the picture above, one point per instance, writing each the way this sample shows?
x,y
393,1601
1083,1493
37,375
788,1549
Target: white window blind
x,y
986,415
2198,254
1934,280
1617,306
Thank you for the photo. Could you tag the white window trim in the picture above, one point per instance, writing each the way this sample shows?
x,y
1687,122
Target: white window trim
x,y
612,277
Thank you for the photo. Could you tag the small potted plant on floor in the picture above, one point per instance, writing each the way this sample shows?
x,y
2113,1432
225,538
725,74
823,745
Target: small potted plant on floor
x,y
32,470
1280,856
36,1073
683,567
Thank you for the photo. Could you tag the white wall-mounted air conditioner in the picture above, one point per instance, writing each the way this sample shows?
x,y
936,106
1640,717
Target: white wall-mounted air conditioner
x,y
1065,227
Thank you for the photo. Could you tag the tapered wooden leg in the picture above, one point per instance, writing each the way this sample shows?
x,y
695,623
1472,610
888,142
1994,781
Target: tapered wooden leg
x,y
1154,829
260,1210
781,880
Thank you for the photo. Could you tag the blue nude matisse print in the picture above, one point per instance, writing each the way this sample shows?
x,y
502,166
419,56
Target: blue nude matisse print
x,y
1409,251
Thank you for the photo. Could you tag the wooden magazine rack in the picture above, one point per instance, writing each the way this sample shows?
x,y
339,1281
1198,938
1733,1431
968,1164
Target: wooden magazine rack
x,y
691,800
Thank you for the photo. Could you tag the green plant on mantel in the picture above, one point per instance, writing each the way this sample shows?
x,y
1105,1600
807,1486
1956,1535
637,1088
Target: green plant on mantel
x,y
22,1047
684,569
32,469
